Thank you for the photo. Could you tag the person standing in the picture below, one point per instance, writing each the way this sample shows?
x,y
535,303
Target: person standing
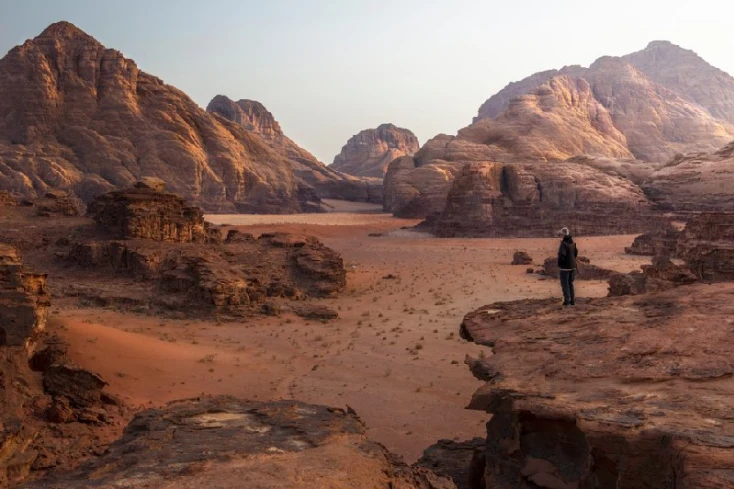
x,y
567,254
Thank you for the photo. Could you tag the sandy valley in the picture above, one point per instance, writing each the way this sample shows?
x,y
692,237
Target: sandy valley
x,y
394,355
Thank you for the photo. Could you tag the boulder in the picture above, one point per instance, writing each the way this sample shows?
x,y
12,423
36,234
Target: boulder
x,y
521,258
413,191
228,443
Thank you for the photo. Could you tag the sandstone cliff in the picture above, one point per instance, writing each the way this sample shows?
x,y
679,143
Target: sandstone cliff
x,y
309,171
77,116
495,199
368,153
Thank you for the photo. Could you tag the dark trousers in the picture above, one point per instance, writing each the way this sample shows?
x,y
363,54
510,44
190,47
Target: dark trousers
x,y
567,277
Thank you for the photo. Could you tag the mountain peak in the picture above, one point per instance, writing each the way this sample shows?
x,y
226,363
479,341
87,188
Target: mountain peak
x,y
63,29
661,44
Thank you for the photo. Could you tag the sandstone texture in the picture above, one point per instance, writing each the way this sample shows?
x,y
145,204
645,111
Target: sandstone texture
x,y
326,182
663,100
56,414
369,153
620,392
79,117
463,462
24,301
524,200
229,443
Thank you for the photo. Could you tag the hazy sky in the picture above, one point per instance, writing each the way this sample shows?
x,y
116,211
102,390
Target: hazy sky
x,y
330,68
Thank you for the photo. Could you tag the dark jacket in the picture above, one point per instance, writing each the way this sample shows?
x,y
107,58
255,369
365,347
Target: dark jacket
x,y
567,254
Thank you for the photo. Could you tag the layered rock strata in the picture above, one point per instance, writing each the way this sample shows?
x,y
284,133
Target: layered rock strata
x,y
631,393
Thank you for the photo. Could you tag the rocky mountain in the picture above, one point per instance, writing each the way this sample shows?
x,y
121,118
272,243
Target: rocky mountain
x,y
309,171
77,116
368,153
664,99
687,74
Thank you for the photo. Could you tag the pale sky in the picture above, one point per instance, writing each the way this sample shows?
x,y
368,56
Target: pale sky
x,y
330,68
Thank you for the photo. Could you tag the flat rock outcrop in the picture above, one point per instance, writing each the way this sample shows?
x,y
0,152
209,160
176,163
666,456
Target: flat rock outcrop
x,y
523,200
369,153
629,392
655,243
326,182
229,443
79,117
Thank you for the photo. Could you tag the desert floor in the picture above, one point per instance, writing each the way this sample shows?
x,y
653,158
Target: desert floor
x,y
394,355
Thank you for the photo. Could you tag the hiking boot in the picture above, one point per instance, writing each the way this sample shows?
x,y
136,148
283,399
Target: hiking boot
x,y
573,303
565,304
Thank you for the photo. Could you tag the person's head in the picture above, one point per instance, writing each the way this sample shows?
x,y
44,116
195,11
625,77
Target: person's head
x,y
564,232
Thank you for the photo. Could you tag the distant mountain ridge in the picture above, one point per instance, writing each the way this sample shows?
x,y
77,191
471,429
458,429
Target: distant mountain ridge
x,y
664,99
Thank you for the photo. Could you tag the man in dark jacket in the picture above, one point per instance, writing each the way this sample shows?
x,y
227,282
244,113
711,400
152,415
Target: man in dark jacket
x,y
567,254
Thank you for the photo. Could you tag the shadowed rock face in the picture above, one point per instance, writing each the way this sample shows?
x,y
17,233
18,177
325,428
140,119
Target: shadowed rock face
x,y
663,100
625,392
309,171
24,301
229,443
77,116
370,152
56,414
495,199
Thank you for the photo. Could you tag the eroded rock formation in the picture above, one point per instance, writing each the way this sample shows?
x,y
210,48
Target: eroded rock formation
x,y
495,199
325,181
79,117
228,443
631,392
57,414
184,265
369,153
